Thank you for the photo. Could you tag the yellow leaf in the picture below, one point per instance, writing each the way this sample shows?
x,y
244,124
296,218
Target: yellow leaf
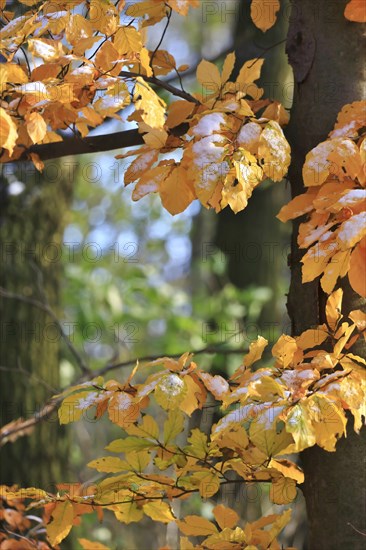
x,y
61,522
103,16
47,49
283,490
108,464
150,181
149,103
182,6
356,11
249,73
74,406
77,28
14,73
284,350
170,391
255,351
356,274
237,191
122,410
197,526
288,469
145,61
159,511
316,168
208,483
155,138
268,432
298,423
228,67
333,308
264,13
275,111
225,517
185,544
9,133
359,318
107,59
297,207
138,167
173,426
193,399
198,443
311,338
128,512
274,151
38,163
178,112
138,461
217,385
176,191
92,545
338,266
248,137
329,421
209,76
36,127
127,40
208,167
147,428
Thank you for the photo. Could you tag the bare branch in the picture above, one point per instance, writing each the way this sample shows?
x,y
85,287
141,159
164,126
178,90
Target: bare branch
x,y
91,144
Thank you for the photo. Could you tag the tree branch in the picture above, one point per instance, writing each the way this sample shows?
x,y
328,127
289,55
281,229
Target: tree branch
x,y
20,427
91,144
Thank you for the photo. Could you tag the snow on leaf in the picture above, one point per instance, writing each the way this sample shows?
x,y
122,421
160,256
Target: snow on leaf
x,y
208,124
248,137
170,391
217,385
274,151
352,231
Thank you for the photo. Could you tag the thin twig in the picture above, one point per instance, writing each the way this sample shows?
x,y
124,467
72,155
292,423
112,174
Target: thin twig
x,y
162,84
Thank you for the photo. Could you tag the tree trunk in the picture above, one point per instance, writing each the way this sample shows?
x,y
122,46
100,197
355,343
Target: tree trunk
x,y
323,50
32,222
254,241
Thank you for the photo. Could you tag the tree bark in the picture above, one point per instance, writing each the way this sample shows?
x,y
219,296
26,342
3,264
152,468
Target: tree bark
x,y
323,49
31,230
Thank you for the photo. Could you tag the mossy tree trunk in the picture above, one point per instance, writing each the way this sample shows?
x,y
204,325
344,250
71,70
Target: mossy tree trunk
x,y
32,221
324,50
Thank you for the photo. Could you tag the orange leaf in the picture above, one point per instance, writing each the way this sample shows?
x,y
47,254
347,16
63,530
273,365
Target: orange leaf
x,y
356,274
264,13
356,11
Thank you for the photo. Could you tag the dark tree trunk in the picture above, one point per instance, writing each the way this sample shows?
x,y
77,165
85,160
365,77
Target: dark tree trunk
x,y
325,52
254,241
32,221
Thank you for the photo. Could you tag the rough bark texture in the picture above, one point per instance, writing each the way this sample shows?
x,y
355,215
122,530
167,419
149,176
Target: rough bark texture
x,y
324,50
32,221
